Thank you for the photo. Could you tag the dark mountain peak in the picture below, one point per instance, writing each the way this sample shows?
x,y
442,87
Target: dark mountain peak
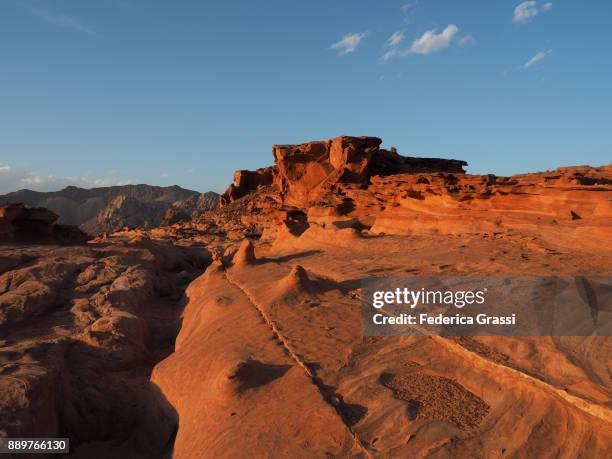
x,y
96,209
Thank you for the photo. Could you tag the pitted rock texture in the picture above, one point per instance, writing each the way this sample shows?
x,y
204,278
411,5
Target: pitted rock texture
x,y
80,330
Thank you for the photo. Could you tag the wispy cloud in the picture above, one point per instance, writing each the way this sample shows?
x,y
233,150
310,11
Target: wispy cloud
x,y
432,42
467,41
536,58
408,10
63,20
407,7
393,42
15,178
390,54
527,11
395,39
348,43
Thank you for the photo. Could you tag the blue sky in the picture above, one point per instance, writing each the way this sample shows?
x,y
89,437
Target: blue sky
x,y
185,92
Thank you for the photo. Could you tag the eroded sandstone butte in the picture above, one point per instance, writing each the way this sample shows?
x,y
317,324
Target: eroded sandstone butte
x,y
302,172
351,182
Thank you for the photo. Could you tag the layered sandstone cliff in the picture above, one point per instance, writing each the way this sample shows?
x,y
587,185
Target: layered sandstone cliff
x,y
351,182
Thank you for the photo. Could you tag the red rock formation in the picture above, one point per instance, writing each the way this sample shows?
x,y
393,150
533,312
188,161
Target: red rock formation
x,y
351,182
246,182
302,170
545,203
21,224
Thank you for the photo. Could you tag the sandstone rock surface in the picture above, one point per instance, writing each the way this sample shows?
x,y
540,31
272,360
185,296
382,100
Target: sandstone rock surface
x,y
264,355
340,211
295,306
80,330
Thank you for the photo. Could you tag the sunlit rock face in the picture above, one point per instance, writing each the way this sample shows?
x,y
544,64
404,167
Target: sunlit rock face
x,y
301,170
352,182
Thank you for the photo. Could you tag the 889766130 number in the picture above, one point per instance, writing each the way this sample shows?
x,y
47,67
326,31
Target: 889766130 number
x,y
34,445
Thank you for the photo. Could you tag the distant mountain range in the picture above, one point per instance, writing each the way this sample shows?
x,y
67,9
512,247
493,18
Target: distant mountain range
x,y
98,210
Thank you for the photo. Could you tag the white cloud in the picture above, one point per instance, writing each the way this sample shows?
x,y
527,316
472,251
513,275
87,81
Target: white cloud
x,y
13,179
431,42
536,58
526,11
348,43
467,40
392,42
62,20
389,54
395,39
407,7
164,174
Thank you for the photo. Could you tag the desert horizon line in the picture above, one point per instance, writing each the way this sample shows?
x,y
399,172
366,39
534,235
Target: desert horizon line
x,y
220,191
81,182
